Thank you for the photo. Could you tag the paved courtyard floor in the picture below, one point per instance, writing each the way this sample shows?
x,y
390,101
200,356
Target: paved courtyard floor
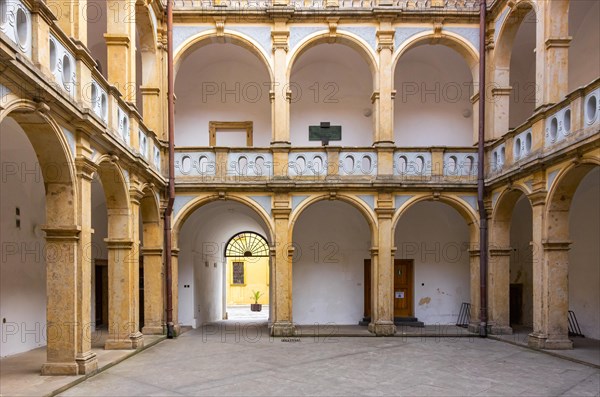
x,y
243,360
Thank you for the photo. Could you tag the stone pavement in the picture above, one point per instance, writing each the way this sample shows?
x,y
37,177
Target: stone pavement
x,y
243,360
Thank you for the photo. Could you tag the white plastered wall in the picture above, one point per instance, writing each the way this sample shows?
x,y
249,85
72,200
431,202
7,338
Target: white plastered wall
x,y
331,83
432,107
221,82
331,241
23,268
584,256
436,236
202,240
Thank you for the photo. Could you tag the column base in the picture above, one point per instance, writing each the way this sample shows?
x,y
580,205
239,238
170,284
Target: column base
x,y
542,341
57,369
134,341
283,328
382,328
87,363
501,330
154,330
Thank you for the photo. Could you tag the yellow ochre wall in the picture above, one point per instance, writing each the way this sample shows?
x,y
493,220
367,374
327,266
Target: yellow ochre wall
x,y
256,277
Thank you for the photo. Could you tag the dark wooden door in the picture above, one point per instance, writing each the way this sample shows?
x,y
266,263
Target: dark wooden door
x,y
403,288
516,304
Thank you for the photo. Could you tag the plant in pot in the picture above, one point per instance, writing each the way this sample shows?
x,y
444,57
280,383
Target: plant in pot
x,y
256,307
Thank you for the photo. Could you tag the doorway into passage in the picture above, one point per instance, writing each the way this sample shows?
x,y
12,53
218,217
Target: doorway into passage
x,y
247,277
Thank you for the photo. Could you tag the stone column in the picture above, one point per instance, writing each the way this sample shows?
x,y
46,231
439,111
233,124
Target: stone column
x,y
120,45
384,117
501,104
280,94
152,107
538,337
556,310
175,288
71,17
498,291
154,288
552,51
86,360
475,289
382,270
282,268
61,306
123,329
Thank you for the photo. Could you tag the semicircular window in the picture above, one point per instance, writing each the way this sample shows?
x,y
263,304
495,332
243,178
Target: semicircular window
x,y
247,244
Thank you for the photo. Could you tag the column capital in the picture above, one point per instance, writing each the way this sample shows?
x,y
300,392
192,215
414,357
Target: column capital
x,y
502,91
117,39
280,40
175,251
500,251
62,233
537,198
152,251
117,243
558,42
385,40
85,168
556,245
281,213
374,250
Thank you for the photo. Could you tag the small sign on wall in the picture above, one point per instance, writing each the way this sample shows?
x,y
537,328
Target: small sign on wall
x,y
399,294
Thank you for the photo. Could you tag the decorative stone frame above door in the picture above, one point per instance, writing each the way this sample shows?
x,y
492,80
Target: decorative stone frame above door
x,y
224,126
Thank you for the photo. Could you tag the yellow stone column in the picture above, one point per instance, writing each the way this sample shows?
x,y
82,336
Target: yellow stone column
x,y
175,288
61,305
280,94
498,290
382,270
154,288
556,264
282,324
86,360
71,17
475,288
500,105
384,107
552,51
538,200
123,328
120,45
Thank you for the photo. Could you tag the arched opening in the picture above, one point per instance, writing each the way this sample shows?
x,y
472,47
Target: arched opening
x,y
432,107
202,264
516,63
520,293
39,247
332,241
145,54
99,257
23,270
97,19
584,49
432,268
331,83
584,255
222,82
247,276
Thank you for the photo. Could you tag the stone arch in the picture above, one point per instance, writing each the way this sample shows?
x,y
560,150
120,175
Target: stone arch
x,y
466,211
209,37
560,196
146,30
199,202
449,39
502,215
506,37
362,207
55,159
116,194
345,38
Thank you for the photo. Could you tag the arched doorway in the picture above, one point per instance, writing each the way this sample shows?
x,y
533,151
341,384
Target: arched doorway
x,y
203,234
247,277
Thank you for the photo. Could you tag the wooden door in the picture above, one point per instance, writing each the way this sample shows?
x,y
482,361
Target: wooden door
x,y
403,288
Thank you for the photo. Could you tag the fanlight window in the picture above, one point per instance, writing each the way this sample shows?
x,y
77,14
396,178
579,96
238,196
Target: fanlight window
x,y
247,244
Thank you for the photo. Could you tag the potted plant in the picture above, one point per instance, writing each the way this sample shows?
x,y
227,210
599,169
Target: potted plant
x,y
256,307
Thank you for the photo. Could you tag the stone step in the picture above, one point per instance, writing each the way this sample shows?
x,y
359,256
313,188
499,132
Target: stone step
x,y
398,321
